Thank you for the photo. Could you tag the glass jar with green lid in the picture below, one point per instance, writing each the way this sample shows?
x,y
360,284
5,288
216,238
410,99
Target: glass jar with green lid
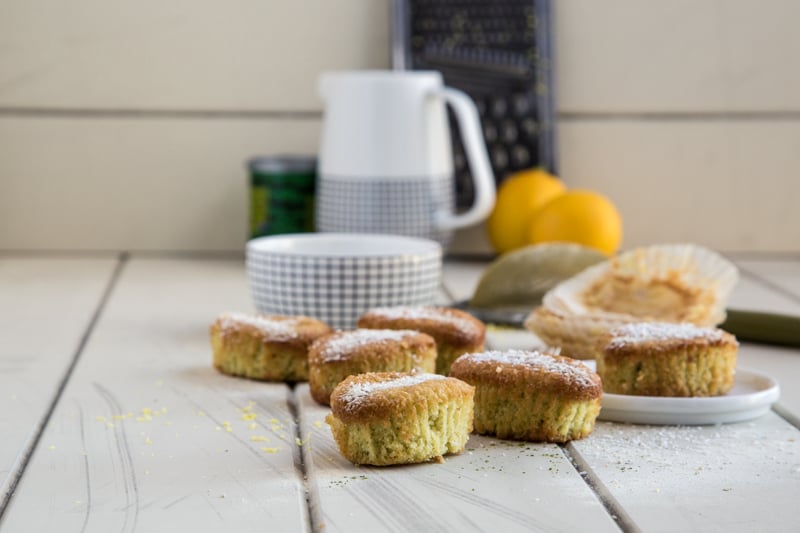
x,y
282,194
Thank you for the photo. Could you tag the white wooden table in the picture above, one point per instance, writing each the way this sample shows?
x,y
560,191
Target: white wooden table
x,y
113,419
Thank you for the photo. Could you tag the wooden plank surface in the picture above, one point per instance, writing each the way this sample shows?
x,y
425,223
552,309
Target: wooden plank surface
x,y
646,470
46,307
733,477
773,286
148,436
495,485
782,274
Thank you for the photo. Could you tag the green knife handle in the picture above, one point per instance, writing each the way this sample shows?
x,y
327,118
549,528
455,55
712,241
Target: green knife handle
x,y
764,328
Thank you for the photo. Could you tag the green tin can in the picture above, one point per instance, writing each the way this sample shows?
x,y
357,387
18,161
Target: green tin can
x,y
282,194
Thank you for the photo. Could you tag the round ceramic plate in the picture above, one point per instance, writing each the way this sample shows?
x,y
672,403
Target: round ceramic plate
x,y
752,395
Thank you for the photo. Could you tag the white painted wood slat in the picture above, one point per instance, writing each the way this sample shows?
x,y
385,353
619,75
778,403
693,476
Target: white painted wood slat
x,y
618,56
627,56
734,477
751,293
46,306
722,184
461,277
148,436
185,54
782,295
126,183
132,184
783,274
494,485
140,439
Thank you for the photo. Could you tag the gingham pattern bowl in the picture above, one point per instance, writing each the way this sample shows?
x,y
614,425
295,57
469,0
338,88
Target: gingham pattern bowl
x,y
335,277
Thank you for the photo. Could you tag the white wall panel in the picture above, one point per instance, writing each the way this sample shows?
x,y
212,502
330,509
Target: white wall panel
x,y
181,184
183,54
128,184
176,180
729,185
678,56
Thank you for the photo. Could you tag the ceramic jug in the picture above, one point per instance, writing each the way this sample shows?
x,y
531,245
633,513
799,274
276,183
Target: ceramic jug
x,y
385,160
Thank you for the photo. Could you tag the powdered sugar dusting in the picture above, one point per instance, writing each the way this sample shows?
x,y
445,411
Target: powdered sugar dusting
x,y
358,391
642,332
574,370
339,346
661,461
426,313
283,329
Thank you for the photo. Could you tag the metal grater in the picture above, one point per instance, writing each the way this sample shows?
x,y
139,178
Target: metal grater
x,y
498,52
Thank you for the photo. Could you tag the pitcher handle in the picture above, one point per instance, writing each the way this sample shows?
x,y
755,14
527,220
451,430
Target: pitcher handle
x,y
469,125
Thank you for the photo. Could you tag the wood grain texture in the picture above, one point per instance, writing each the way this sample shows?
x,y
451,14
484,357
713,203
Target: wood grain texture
x,y
618,56
772,286
195,55
782,275
134,184
734,477
685,56
46,307
726,185
158,184
494,485
148,436
764,291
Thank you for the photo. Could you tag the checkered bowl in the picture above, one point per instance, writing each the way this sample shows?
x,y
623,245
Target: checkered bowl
x,y
336,277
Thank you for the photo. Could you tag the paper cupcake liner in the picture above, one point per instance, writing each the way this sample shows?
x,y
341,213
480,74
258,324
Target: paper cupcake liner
x,y
576,335
691,269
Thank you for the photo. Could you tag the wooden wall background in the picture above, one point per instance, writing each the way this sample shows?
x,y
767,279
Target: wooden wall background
x,y
126,125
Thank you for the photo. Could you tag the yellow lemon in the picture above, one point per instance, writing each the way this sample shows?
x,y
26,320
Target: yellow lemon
x,y
581,217
518,198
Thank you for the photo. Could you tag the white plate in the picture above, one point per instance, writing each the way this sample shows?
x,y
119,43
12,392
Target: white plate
x,y
752,395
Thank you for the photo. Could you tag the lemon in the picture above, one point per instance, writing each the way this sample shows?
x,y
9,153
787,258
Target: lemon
x,y
581,217
518,198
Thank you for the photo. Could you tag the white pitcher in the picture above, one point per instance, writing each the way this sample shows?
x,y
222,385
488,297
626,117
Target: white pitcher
x,y
385,161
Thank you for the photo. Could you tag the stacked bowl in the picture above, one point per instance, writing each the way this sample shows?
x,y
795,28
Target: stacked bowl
x,y
335,277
